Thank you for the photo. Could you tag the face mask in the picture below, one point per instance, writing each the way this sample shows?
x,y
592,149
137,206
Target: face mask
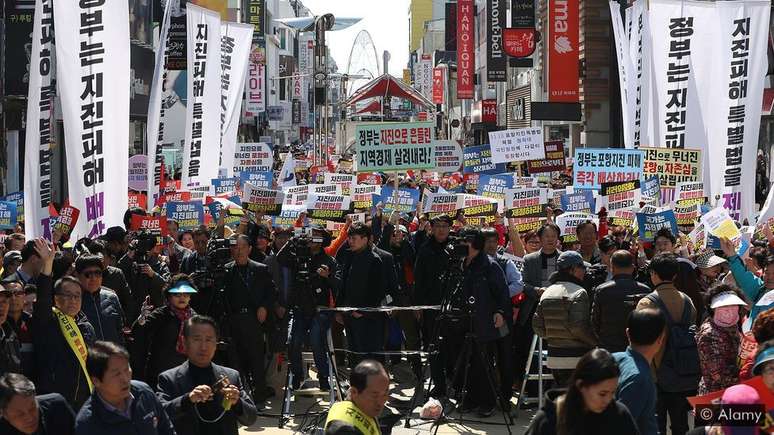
x,y
726,316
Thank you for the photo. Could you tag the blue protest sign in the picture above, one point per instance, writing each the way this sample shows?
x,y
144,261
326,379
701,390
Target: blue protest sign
x,y
407,199
594,166
189,215
582,201
651,187
478,160
650,223
493,186
224,185
18,199
7,215
262,179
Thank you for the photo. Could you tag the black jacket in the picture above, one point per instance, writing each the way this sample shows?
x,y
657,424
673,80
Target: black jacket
x,y
361,276
389,277
55,417
147,416
403,257
59,370
154,346
141,285
105,314
432,261
610,308
484,280
614,420
114,279
261,287
176,383
319,290
10,350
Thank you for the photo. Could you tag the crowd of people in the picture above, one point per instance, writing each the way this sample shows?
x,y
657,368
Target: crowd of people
x,y
109,334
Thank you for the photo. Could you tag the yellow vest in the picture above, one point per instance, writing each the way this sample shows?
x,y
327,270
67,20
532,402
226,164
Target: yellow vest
x,y
348,412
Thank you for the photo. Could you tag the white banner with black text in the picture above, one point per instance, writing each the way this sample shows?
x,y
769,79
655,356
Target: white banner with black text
x,y
235,41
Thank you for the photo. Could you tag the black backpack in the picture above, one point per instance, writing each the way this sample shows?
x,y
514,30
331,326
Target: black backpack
x,y
680,370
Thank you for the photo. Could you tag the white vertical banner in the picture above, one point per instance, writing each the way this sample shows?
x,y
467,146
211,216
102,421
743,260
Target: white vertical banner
x,y
254,88
156,112
92,51
235,41
735,90
624,69
202,125
40,133
638,82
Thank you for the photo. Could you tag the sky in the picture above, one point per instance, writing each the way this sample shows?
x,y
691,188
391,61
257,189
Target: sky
x,y
385,20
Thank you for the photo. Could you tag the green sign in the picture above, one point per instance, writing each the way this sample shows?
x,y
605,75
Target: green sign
x,y
395,146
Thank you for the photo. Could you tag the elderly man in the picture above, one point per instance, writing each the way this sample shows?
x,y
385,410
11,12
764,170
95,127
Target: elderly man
x,y
368,392
22,412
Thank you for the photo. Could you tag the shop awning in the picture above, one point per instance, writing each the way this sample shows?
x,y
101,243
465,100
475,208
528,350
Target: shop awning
x,y
768,102
387,85
373,107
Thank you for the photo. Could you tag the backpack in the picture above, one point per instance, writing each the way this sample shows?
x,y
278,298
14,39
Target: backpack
x,y
680,370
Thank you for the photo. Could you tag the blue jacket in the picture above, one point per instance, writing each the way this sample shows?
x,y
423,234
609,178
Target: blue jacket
x,y
637,390
147,416
105,314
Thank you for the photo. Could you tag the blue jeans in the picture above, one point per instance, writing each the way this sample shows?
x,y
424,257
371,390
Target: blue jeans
x,y
314,330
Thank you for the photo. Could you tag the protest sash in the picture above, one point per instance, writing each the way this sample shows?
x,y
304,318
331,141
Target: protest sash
x,y
74,339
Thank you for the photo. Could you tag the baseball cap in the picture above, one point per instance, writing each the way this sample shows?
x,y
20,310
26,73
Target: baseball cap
x,y
11,256
442,218
725,299
568,259
182,287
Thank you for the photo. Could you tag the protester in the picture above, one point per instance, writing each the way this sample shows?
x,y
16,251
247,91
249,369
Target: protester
x,y
158,336
735,397
187,393
588,405
614,300
719,337
762,331
11,262
10,349
145,276
636,386
764,364
361,274
753,287
563,317
101,305
677,363
113,278
20,322
195,265
14,242
60,356
30,267
368,393
119,405
22,412
249,294
587,237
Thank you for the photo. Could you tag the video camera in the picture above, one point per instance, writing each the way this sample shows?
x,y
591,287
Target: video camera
x,y
218,254
144,242
457,247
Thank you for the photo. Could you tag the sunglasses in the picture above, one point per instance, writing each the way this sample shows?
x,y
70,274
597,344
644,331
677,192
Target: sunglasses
x,y
92,273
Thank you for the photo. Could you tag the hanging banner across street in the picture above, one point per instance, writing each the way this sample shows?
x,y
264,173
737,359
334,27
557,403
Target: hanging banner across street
x,y
92,51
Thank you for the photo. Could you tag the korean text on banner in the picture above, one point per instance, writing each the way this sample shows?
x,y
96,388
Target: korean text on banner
x,y
202,129
517,145
596,166
478,160
673,165
554,159
157,112
718,222
563,50
255,100
8,215
526,203
394,146
448,156
439,75
650,223
40,110
346,181
94,90
235,49
189,215
260,200
407,200
568,222
466,59
253,157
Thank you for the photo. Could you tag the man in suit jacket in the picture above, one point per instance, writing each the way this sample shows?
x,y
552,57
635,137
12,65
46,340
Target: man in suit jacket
x,y
201,397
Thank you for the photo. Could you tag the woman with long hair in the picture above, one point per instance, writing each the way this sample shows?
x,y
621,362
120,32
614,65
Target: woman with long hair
x,y
588,405
158,335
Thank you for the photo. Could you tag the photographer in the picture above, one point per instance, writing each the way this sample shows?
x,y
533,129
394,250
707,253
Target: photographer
x,y
249,295
144,273
485,289
195,266
313,285
433,262
361,274
199,396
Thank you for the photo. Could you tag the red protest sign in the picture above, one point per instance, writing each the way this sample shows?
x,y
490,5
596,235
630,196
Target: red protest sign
x,y
65,222
138,200
155,224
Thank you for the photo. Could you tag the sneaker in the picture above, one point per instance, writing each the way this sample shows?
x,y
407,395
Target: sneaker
x,y
325,385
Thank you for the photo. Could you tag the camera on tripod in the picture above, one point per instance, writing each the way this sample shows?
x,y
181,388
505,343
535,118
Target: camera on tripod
x,y
218,255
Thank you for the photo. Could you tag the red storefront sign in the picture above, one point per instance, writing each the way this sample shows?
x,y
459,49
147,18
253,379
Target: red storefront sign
x,y
563,53
438,81
465,54
422,116
519,42
489,111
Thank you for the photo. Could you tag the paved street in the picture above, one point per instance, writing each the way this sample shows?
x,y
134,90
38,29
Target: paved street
x,y
312,401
